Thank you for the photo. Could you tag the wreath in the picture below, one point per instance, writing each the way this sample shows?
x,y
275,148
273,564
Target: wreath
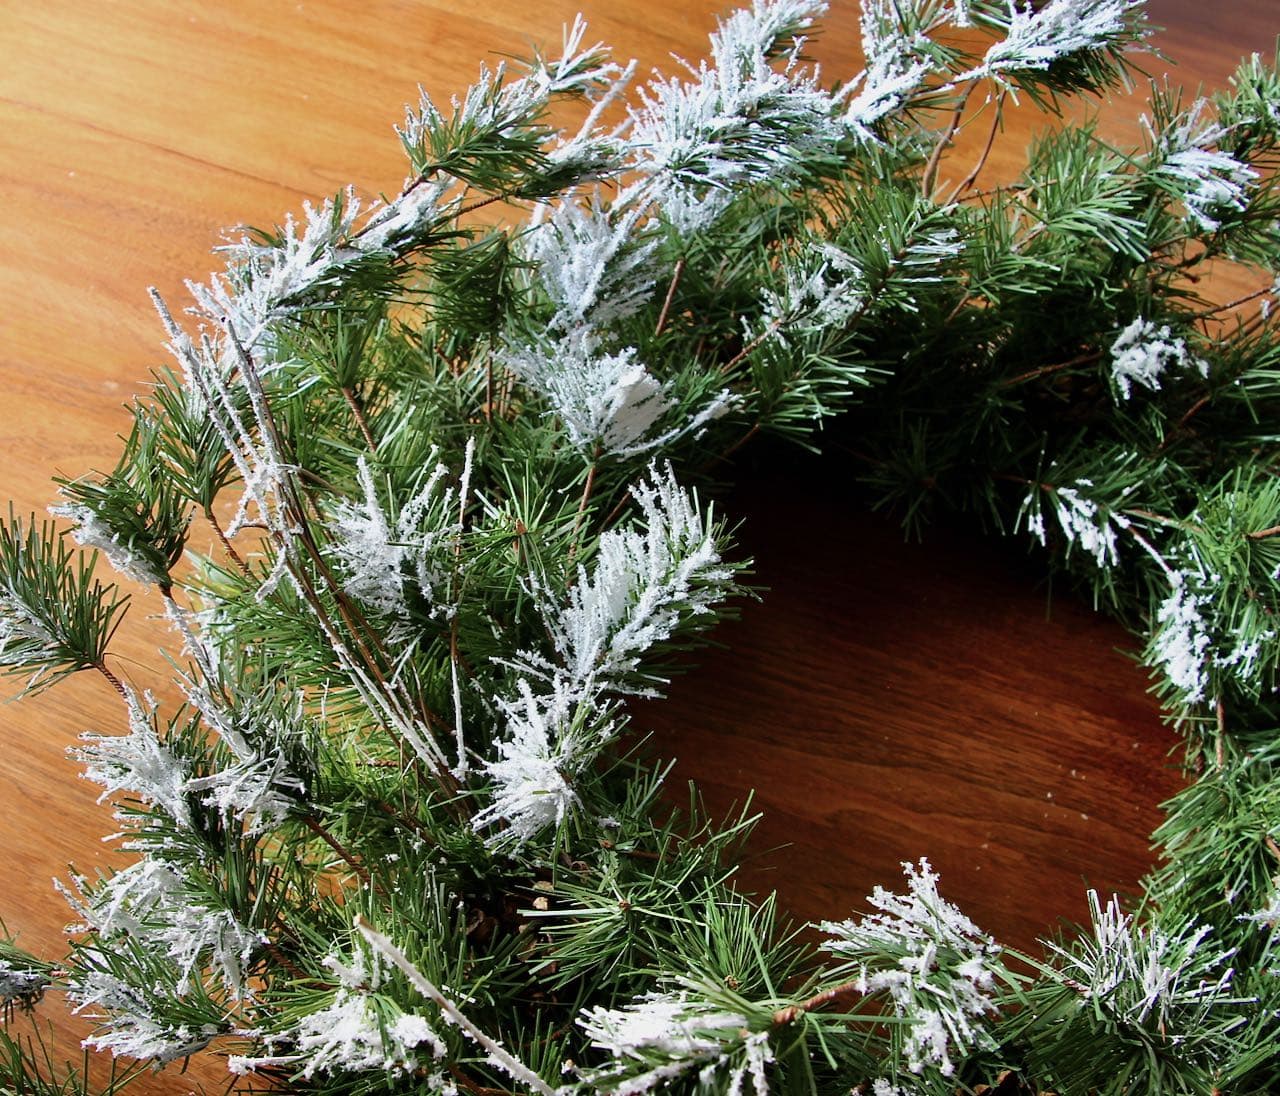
x,y
397,836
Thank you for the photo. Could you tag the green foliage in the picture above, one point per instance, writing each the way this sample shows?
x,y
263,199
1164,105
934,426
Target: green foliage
x,y
400,837
55,617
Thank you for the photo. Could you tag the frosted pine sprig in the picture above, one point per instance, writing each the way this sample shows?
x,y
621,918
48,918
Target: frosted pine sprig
x,y
1212,183
151,904
138,764
90,531
609,403
936,968
267,277
1180,642
354,1032
662,1036
550,737
1039,36
24,637
899,56
499,112
381,555
644,584
496,1053
1161,987
271,276
1142,353
131,1025
1086,520
594,265
823,287
739,121
395,226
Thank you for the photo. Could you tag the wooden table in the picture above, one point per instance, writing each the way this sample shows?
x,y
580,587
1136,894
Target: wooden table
x,y
888,701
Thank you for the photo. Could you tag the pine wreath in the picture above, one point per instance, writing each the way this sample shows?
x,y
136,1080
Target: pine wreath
x,y
397,838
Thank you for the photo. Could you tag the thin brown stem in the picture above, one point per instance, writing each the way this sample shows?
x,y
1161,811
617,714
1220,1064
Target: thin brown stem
x,y
752,346
114,681
972,177
357,412
1057,367
406,820
1234,304
725,454
1004,188
476,1089
671,292
1263,534
792,1013
412,186
315,827
273,950
227,546
930,175
1151,515
740,442
480,203
1194,410
621,504
587,490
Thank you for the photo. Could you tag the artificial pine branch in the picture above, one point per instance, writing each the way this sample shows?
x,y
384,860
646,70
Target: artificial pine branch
x,y
398,837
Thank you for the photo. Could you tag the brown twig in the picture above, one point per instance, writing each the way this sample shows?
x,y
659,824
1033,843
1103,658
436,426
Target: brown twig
x,y
1194,410
357,411
935,158
1045,370
1151,515
405,820
671,292
226,543
1234,304
972,177
475,1088
587,490
740,442
273,950
621,504
792,1013
315,827
114,681
752,346
1263,534
481,203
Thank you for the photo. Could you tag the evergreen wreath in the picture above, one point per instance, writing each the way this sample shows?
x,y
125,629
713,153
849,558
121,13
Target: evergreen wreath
x,y
397,837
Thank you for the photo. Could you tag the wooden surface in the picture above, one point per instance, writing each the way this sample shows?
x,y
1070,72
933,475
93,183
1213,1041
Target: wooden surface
x,y
887,701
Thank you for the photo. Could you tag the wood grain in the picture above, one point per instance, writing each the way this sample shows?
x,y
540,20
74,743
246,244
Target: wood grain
x,y
887,701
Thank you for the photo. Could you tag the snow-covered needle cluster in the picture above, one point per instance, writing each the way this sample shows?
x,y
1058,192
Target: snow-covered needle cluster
x,y
400,836
933,965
